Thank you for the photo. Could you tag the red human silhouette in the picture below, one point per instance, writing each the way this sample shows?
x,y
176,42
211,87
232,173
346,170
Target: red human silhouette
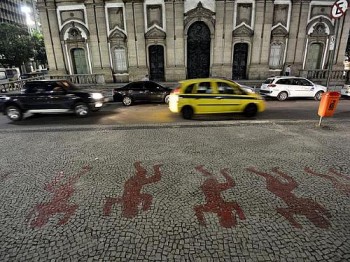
x,y
342,187
59,202
132,196
215,203
296,205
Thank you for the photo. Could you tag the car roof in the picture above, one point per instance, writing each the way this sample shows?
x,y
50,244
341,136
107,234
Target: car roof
x,y
197,80
285,77
47,81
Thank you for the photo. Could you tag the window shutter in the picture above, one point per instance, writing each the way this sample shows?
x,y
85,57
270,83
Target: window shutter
x,y
275,55
120,59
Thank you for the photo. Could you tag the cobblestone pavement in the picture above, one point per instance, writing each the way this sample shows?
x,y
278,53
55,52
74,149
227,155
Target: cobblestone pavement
x,y
211,192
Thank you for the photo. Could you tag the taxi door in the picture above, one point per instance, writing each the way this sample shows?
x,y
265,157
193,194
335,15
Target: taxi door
x,y
230,97
205,98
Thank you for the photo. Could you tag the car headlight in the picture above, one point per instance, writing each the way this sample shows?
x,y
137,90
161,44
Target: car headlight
x,y
96,96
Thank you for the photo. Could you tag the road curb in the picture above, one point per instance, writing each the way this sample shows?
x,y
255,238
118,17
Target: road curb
x,y
331,124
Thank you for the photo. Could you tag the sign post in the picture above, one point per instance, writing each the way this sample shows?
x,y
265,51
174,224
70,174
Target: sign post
x,y
338,10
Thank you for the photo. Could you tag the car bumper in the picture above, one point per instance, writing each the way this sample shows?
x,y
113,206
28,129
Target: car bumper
x,y
266,93
345,92
97,103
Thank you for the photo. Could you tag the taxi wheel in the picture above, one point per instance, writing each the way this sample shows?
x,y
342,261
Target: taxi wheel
x,y
250,110
187,112
318,95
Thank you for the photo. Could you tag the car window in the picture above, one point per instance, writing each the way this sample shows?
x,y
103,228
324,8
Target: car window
x,y
304,82
54,87
269,81
151,86
297,82
34,88
204,88
134,86
189,89
285,81
225,88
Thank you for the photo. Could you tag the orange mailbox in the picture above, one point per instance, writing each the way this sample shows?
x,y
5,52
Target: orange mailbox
x,y
328,104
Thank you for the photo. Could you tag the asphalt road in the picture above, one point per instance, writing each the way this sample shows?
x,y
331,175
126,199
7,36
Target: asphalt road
x,y
117,114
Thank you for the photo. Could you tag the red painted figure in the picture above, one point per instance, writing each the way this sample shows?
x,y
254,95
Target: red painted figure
x,y
132,196
316,213
342,187
59,203
215,203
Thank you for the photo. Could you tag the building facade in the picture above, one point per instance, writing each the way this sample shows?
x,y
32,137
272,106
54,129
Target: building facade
x,y
175,39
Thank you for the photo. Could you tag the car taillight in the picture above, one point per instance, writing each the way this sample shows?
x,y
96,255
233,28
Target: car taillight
x,y
176,91
272,85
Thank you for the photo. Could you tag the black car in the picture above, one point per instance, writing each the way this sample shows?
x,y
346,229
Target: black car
x,y
146,91
50,96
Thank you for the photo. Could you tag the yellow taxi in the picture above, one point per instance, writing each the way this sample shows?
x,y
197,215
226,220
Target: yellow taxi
x,y
213,95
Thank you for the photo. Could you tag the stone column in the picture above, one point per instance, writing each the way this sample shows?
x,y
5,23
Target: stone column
x,y
300,47
50,28
98,46
136,40
175,51
259,67
342,41
222,57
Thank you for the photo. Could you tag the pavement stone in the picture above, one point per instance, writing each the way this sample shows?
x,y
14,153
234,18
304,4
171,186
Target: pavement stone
x,y
75,173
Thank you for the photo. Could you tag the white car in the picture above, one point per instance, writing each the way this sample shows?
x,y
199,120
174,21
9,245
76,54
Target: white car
x,y
345,91
284,87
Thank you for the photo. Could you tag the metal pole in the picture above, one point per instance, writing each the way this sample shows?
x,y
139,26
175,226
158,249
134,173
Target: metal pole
x,y
319,123
331,55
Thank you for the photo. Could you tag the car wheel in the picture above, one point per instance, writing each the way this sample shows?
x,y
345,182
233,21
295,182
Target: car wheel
x,y
187,112
250,110
81,110
3,89
14,113
282,96
318,95
127,101
166,99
